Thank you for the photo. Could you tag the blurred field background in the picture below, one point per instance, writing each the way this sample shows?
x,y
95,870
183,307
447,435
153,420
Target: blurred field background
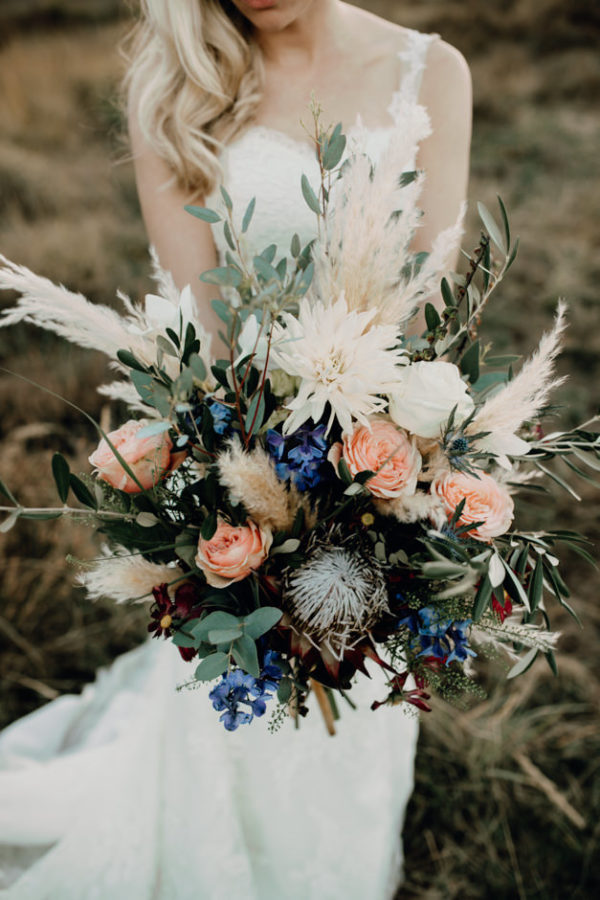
x,y
508,796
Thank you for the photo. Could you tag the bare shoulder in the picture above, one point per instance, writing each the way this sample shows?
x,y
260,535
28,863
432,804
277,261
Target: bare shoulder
x,y
444,61
372,31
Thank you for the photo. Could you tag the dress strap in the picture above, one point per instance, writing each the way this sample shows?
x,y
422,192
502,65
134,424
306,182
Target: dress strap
x,y
404,105
414,57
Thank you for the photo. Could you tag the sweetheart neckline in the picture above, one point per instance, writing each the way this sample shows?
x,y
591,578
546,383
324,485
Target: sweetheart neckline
x,y
298,143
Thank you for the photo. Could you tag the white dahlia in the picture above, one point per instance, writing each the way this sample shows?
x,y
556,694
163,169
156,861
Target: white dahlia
x,y
340,359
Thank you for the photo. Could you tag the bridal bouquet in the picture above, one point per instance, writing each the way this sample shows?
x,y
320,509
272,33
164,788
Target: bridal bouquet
x,y
330,494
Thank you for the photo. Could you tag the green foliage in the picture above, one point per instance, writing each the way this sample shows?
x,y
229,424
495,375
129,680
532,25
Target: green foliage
x,y
61,473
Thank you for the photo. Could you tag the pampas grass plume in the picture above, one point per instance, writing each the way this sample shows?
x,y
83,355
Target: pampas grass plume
x,y
528,392
125,578
251,480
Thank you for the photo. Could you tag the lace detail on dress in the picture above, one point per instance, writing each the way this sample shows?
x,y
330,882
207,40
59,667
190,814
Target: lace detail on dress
x,y
414,57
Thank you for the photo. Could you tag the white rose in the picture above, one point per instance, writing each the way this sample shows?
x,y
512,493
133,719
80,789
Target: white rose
x,y
427,393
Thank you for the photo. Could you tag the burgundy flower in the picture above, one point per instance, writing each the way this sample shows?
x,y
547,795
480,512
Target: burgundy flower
x,y
164,611
161,613
398,694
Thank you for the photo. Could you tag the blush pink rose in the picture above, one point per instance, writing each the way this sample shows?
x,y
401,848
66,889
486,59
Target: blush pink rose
x,y
385,449
149,458
485,501
233,552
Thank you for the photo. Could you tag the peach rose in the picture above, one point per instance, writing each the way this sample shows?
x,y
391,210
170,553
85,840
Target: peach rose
x,y
385,448
485,501
149,458
233,552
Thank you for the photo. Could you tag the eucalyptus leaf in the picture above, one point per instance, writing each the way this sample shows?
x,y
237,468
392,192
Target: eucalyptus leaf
x,y
261,620
183,640
248,215
265,270
222,635
128,359
212,666
198,367
255,414
334,151
201,212
165,345
309,195
215,621
245,654
228,235
226,198
152,429
224,276
284,690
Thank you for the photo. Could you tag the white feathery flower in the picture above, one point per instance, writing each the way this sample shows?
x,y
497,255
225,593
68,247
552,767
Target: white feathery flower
x,y
338,594
514,630
340,358
95,326
125,578
521,399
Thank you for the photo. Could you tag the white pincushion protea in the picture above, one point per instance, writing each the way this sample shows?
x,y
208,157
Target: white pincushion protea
x,y
337,594
340,358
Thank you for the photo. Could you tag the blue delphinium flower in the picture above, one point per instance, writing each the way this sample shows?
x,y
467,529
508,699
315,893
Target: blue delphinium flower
x,y
300,455
238,688
221,416
438,636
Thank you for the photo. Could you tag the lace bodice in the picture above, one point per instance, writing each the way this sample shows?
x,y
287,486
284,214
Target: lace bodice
x,y
267,164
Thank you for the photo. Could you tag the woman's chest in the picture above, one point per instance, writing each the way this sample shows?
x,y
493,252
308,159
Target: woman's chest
x,y
344,88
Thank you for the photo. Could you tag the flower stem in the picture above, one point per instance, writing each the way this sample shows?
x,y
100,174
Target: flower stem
x,y
324,705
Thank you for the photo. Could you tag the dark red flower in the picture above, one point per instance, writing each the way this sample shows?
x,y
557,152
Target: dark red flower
x,y
416,697
187,653
164,610
502,611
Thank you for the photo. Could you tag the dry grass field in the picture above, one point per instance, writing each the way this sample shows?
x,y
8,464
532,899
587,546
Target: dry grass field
x,y
507,803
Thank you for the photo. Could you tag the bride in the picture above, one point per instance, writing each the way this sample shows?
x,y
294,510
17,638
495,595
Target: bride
x,y
134,790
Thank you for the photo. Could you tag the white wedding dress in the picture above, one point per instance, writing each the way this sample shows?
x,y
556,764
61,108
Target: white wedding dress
x,y
135,791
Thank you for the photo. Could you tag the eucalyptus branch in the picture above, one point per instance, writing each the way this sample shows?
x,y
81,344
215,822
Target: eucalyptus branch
x,y
35,511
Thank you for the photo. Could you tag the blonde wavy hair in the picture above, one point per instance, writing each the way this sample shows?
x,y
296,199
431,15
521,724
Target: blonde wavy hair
x,y
193,83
